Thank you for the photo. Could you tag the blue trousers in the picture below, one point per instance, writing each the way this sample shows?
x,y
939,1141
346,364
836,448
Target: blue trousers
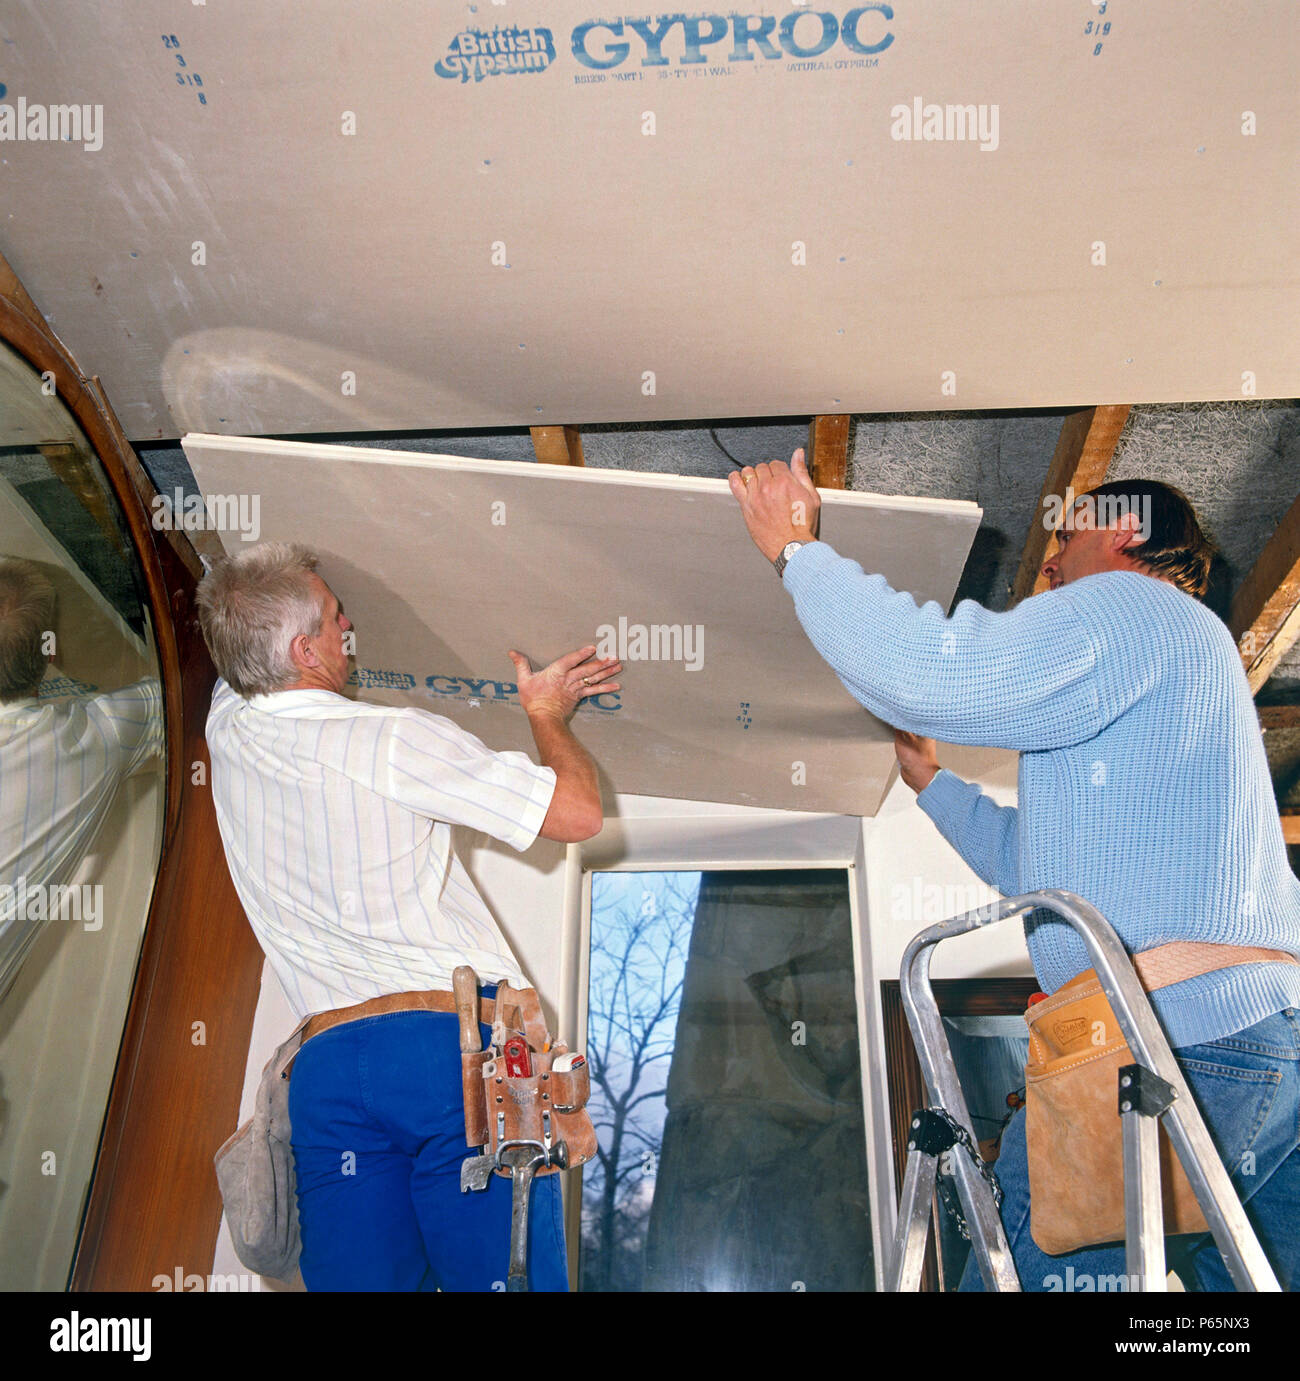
x,y
378,1141
1247,1087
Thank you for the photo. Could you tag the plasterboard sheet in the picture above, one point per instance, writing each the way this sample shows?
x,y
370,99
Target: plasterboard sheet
x,y
443,564
339,218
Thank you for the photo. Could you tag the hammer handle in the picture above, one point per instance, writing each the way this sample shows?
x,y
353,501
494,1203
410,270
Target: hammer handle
x,y
464,983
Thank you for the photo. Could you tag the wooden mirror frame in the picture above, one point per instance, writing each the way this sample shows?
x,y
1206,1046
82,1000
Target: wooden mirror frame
x,y
153,1203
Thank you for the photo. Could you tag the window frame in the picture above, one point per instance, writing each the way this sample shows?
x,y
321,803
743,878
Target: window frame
x,y
757,840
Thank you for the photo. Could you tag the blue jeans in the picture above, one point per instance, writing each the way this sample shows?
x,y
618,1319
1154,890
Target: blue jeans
x,y
378,1141
1247,1087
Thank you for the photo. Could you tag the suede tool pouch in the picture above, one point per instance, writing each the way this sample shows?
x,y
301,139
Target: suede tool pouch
x,y
525,1108
1072,1126
255,1173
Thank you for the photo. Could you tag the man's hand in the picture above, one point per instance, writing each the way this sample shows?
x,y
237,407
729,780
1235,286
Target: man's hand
x,y
780,503
557,689
917,758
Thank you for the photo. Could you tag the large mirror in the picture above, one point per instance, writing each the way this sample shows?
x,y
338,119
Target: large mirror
x,y
81,815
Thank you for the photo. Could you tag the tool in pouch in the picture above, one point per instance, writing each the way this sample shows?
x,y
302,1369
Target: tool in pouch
x,y
525,1103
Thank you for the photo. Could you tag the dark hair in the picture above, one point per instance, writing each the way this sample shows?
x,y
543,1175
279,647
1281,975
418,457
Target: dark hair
x,y
1175,548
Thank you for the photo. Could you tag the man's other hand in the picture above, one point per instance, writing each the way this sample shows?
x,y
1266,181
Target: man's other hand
x,y
779,502
557,689
917,759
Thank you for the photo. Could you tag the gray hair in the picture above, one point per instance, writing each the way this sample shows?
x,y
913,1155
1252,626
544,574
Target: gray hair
x,y
251,608
26,615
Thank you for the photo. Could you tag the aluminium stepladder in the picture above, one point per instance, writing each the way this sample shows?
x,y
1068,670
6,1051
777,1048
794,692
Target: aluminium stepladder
x,y
1156,1093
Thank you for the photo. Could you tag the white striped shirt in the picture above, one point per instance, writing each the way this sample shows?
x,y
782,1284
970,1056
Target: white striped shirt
x,y
336,819
60,765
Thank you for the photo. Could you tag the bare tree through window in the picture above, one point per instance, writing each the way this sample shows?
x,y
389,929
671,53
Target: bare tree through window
x,y
640,937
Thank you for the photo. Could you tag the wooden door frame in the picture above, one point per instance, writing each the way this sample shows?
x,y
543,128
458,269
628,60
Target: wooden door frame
x,y
954,997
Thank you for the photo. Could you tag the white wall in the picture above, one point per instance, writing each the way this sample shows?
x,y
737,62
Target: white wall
x,y
916,878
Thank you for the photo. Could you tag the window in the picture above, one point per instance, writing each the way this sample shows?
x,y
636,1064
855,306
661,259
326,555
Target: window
x,y
726,1085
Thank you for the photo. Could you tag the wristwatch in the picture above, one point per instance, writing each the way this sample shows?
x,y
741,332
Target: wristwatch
x,y
787,552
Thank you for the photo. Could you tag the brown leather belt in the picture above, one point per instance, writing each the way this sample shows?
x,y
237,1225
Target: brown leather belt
x,y
1182,959
393,1002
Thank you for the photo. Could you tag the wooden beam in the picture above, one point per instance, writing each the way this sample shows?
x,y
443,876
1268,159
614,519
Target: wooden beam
x,y
1291,826
1279,716
828,450
78,469
558,445
184,544
1265,616
1080,462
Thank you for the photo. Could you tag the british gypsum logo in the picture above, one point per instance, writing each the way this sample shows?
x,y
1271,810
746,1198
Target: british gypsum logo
x,y
503,52
473,691
601,44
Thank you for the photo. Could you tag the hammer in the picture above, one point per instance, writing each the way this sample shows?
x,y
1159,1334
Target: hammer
x,y
523,1159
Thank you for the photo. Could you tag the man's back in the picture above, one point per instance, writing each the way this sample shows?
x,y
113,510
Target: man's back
x,y
1143,782
335,818
1166,818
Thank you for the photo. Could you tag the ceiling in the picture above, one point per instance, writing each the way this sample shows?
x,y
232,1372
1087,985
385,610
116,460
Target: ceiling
x,y
304,219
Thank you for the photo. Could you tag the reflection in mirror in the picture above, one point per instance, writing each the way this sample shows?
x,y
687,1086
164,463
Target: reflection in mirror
x,y
81,802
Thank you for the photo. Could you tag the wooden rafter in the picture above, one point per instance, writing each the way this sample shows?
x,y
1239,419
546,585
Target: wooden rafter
x,y
828,450
558,445
1265,616
1080,462
79,470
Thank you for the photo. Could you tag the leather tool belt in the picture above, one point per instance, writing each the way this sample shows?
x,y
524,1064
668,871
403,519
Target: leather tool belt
x,y
393,1002
546,1105
1072,1122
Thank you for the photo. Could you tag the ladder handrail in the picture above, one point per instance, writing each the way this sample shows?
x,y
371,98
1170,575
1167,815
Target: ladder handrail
x,y
1242,1254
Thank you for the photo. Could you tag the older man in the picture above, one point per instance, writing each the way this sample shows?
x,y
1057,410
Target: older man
x,y
1143,788
336,819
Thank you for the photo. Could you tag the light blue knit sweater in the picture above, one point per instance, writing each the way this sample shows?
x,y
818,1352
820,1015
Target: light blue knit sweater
x,y
1143,782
